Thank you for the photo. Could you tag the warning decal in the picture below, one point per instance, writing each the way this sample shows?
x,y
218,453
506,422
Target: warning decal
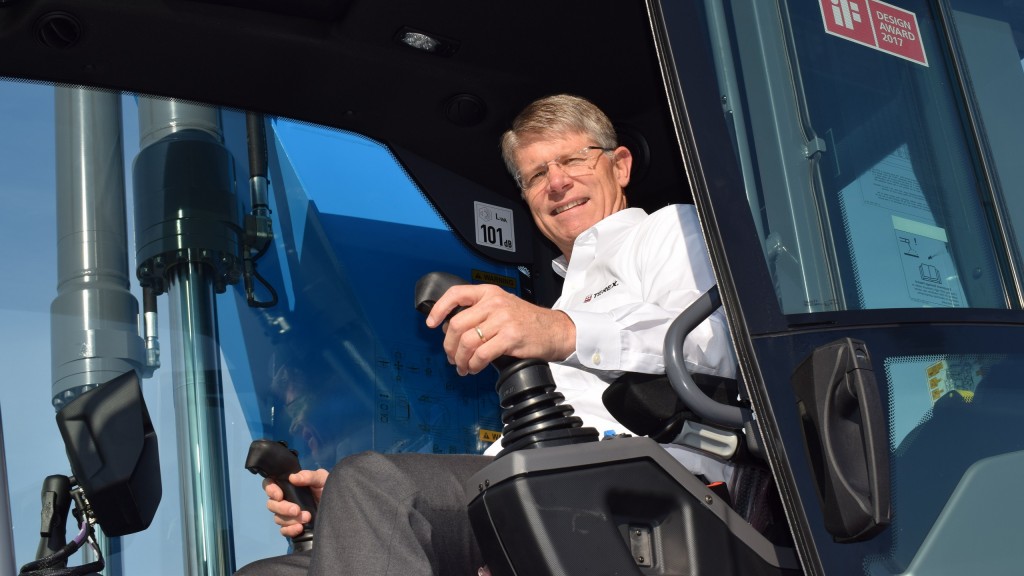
x,y
489,435
877,25
492,278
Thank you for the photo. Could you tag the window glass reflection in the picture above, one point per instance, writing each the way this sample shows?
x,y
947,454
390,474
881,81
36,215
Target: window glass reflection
x,y
954,425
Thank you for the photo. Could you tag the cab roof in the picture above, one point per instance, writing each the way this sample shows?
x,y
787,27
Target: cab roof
x,y
342,63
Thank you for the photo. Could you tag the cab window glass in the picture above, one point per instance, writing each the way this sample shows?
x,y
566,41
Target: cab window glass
x,y
340,362
954,436
991,38
860,167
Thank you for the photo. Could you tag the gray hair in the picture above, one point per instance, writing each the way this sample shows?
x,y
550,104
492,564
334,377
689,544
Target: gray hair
x,y
556,116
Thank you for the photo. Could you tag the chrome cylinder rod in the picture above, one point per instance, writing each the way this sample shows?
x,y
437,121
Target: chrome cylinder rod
x,y
198,405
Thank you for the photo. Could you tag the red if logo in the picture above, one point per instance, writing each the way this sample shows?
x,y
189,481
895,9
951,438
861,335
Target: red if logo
x,y
849,19
877,25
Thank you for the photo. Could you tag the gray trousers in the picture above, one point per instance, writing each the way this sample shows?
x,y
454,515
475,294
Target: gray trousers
x,y
390,515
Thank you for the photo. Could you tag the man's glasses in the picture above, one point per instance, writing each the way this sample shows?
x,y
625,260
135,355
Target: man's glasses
x,y
580,163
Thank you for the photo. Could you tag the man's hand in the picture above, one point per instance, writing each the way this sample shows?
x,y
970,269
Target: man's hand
x,y
287,514
496,323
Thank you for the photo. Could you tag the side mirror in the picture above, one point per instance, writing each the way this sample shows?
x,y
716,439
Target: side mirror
x,y
112,448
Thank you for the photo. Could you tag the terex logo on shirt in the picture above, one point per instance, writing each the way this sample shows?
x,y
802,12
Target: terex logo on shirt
x,y
601,291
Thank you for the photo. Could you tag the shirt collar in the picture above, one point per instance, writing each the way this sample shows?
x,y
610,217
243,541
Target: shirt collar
x,y
621,219
560,265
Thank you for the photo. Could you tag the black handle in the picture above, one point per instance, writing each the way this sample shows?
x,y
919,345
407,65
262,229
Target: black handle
x,y
274,460
56,497
431,287
533,412
847,438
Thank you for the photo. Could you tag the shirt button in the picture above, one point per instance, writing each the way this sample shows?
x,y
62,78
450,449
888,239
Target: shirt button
x,y
596,358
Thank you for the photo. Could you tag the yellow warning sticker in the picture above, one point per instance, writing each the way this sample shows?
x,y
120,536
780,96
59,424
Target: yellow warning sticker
x,y
489,435
492,278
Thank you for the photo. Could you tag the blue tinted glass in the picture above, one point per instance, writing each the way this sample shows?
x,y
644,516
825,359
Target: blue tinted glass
x,y
341,363
345,363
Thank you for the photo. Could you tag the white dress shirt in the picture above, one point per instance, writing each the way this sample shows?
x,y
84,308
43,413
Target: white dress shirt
x,y
630,276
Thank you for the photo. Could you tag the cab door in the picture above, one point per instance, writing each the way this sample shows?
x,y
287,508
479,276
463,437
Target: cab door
x,y
851,163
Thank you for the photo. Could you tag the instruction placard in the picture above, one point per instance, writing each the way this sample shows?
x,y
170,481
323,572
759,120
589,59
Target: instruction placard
x,y
901,255
876,25
927,266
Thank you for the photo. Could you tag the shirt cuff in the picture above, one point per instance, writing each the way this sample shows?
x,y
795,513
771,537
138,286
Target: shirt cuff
x,y
598,342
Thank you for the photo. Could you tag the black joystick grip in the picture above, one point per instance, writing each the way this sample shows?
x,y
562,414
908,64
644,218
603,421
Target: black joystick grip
x,y
533,412
56,496
274,460
431,287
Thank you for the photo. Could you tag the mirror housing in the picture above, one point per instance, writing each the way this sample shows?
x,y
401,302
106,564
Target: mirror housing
x,y
112,448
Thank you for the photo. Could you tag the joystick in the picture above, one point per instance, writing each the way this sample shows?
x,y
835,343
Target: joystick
x,y
274,460
533,412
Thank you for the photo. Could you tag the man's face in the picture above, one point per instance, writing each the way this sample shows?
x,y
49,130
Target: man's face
x,y
563,206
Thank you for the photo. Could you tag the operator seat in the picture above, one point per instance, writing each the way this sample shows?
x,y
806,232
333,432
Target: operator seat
x,y
647,405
